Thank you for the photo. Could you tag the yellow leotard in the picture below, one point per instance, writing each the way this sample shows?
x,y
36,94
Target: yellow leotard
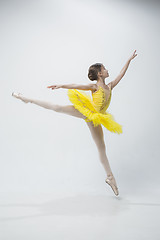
x,y
99,98
95,109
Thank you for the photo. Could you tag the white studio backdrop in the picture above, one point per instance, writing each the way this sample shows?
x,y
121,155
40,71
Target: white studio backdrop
x,y
54,42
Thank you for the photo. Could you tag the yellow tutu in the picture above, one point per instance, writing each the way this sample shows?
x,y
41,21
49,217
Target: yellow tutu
x,y
95,110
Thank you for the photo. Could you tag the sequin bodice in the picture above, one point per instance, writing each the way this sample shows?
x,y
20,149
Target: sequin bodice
x,y
100,102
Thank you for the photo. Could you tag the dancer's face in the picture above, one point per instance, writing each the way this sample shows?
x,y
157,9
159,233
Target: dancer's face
x,y
104,72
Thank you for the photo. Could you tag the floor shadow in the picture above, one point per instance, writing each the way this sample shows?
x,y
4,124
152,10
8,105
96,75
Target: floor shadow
x,y
79,205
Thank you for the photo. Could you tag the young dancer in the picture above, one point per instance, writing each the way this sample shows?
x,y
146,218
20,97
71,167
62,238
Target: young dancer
x,y
93,111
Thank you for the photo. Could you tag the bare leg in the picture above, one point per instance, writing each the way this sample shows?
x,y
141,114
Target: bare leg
x,y
68,109
98,137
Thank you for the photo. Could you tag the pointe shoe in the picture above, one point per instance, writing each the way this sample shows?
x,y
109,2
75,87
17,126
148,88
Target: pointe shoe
x,y
113,186
19,95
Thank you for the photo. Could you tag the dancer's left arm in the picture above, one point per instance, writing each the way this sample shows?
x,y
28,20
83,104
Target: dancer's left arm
x,y
123,71
74,86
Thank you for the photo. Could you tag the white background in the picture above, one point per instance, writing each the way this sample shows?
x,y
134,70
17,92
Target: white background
x,y
49,154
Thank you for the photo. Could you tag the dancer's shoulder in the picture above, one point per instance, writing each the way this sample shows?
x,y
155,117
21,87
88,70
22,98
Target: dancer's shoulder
x,y
109,85
94,87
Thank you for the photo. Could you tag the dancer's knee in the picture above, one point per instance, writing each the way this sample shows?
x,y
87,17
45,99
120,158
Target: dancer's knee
x,y
58,108
101,146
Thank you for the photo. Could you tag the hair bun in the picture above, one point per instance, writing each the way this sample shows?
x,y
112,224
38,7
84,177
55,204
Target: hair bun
x,y
93,71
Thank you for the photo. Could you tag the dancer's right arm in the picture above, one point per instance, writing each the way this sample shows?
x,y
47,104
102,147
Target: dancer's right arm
x,y
74,86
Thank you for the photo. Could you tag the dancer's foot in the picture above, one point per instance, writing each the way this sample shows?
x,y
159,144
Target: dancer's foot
x,y
19,96
112,182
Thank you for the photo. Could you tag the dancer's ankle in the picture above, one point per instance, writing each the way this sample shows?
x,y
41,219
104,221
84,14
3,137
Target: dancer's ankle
x,y
25,99
110,175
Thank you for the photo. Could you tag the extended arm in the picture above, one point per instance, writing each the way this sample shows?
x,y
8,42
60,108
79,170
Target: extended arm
x,y
123,71
74,86
78,86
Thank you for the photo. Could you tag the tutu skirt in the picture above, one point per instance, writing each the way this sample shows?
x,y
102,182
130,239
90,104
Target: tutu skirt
x,y
84,104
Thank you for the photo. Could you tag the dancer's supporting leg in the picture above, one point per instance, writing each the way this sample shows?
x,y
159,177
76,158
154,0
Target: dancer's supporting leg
x,y
98,137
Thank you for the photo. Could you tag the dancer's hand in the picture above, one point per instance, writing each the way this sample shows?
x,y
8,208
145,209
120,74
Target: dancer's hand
x,y
133,55
54,86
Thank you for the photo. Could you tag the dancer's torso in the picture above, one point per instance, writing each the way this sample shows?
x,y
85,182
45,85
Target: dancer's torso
x,y
102,97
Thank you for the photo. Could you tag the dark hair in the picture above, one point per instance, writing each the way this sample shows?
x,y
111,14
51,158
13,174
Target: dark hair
x,y
93,71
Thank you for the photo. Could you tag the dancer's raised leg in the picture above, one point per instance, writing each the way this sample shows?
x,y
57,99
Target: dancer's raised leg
x,y
68,109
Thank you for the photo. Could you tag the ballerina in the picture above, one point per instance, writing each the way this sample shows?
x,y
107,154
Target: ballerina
x,y
93,111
